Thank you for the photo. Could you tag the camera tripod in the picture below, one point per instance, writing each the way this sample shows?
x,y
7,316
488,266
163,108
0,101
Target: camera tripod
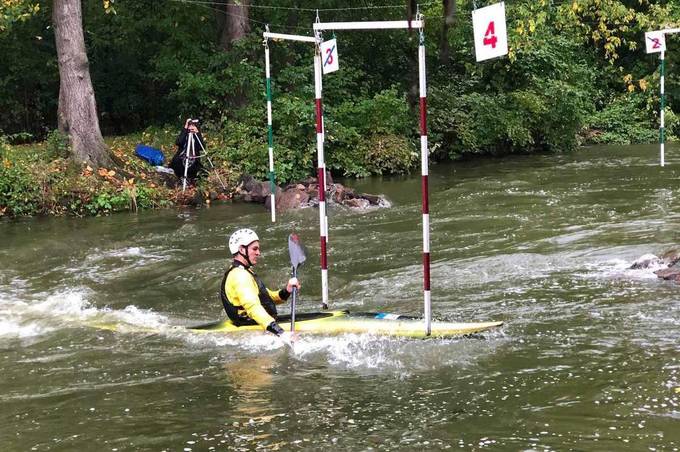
x,y
190,156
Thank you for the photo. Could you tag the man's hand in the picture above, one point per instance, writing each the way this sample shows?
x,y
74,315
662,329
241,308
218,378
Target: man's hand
x,y
274,328
186,123
289,338
292,282
286,337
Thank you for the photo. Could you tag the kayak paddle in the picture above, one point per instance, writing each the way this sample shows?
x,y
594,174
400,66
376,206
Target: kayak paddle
x,y
297,258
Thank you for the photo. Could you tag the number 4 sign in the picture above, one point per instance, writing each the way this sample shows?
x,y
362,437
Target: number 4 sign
x,y
491,39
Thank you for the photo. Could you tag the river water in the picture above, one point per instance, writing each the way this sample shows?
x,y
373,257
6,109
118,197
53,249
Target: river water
x,y
587,359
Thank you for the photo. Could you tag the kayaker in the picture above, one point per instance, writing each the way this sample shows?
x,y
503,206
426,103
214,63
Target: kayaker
x,y
246,299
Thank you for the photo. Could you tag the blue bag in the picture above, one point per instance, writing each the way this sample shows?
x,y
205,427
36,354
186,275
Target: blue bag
x,y
151,155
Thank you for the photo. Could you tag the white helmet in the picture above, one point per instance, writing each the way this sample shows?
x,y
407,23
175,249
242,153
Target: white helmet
x,y
242,237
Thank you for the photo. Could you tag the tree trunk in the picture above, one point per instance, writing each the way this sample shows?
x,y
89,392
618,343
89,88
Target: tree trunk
x,y
236,24
77,111
449,18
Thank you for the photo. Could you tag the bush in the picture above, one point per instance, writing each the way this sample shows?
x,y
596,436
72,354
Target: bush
x,y
19,193
622,121
58,145
389,154
370,136
672,125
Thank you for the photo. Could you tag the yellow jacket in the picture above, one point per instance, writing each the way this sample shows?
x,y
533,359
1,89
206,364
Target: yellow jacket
x,y
248,296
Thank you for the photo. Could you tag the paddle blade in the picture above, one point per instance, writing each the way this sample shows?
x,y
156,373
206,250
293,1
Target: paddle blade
x,y
296,251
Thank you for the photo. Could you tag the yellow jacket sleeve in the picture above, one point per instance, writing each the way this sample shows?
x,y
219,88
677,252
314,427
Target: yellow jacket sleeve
x,y
276,296
242,290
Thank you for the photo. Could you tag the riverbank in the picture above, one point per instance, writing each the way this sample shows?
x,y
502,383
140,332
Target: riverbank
x,y
40,179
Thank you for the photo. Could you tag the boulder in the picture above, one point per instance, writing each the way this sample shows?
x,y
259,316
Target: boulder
x,y
357,203
672,257
292,198
374,200
339,193
304,194
250,189
670,261
670,274
268,199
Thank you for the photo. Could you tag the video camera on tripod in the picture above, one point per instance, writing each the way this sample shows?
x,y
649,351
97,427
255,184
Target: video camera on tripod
x,y
186,161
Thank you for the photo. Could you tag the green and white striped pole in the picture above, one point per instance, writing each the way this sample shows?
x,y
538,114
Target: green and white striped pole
x,y
270,133
655,42
662,128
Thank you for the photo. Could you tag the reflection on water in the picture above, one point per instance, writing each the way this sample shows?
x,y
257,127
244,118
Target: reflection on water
x,y
94,347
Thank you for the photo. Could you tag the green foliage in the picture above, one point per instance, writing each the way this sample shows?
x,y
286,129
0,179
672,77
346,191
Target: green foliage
x,y
363,134
672,124
19,193
537,100
29,78
58,145
622,121
13,11
106,202
614,27
389,154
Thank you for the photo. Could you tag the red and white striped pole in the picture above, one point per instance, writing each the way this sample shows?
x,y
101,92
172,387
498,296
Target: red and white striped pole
x,y
425,186
321,178
381,25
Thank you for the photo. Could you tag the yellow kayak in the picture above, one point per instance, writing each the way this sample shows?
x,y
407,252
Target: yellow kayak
x,y
339,322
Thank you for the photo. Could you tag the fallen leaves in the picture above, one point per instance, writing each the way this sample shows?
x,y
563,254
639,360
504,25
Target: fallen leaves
x,y
108,174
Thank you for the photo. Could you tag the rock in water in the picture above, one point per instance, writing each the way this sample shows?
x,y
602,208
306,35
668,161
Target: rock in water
x,y
669,274
671,257
305,194
646,261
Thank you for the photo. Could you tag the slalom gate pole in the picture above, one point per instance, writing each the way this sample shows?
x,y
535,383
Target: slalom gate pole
x,y
379,25
662,118
662,106
321,178
270,130
323,226
270,133
422,81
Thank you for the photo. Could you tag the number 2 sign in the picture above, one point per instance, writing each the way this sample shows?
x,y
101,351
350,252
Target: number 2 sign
x,y
655,41
491,39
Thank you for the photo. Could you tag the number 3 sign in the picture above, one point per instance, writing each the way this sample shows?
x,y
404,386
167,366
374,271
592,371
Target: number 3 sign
x,y
329,56
491,39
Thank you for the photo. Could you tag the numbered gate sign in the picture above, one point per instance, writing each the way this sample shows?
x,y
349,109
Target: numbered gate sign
x,y
655,41
491,38
329,56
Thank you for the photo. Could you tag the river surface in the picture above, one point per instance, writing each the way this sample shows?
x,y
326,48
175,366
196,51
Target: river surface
x,y
587,360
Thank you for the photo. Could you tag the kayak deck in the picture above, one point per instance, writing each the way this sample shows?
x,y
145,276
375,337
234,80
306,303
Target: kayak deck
x,y
339,322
